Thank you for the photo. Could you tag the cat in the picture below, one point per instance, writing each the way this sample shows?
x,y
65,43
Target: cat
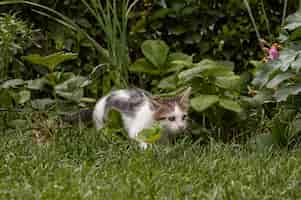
x,y
140,110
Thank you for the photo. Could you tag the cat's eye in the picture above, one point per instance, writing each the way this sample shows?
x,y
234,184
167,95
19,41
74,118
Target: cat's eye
x,y
184,117
172,118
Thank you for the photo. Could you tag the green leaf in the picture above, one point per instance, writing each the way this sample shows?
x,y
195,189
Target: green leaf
x,y
262,97
257,64
151,135
6,100
228,82
219,71
56,78
296,65
71,84
42,104
156,14
156,52
36,84
284,91
264,142
230,105
24,96
293,21
295,127
179,56
50,61
262,75
178,61
143,66
177,29
73,96
71,89
202,102
287,57
296,34
13,83
279,79
207,67
170,83
18,124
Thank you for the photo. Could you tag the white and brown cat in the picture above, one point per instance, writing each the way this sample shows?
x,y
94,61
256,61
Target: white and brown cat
x,y
139,110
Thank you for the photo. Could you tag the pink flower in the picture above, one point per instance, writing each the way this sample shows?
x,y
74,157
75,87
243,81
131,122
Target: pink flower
x,y
273,52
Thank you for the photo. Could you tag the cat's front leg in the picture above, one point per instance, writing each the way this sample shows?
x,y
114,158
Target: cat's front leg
x,y
133,133
143,145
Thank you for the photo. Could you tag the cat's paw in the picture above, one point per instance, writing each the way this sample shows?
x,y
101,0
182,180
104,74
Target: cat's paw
x,y
143,145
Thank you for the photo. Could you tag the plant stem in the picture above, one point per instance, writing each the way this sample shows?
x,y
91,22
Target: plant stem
x,y
266,19
284,12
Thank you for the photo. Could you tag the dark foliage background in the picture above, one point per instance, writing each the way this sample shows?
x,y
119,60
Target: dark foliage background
x,y
216,29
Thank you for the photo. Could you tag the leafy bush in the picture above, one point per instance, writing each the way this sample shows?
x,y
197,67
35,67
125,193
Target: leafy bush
x,y
15,36
216,89
278,82
212,29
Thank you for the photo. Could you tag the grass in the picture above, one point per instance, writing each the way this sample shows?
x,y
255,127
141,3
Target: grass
x,y
83,164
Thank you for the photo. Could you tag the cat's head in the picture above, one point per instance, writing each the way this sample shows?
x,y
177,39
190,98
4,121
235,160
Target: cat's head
x,y
171,113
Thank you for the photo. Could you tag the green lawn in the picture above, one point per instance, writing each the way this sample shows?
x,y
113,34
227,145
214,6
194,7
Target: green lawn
x,y
82,164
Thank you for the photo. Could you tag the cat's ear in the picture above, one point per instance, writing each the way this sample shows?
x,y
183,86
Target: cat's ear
x,y
184,98
156,103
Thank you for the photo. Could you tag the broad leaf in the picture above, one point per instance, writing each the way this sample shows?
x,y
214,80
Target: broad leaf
x,y
50,61
178,61
71,89
262,75
143,66
170,82
56,78
228,82
6,100
296,34
13,83
202,102
179,56
156,52
218,71
42,104
73,96
151,135
230,105
293,21
24,96
264,142
36,84
262,97
208,67
286,90
71,84
287,57
257,64
279,79
18,124
295,127
296,65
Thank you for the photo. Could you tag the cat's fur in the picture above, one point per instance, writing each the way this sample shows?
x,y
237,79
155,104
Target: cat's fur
x,y
140,110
